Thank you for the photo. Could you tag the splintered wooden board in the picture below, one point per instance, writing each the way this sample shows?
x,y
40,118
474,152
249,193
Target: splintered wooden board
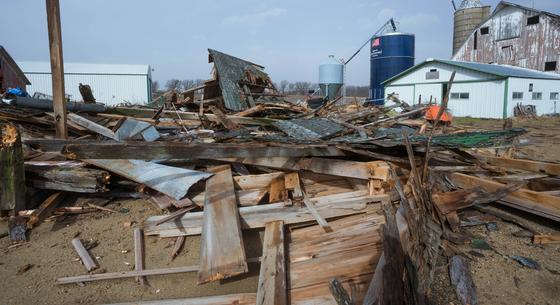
x,y
221,251
349,253
272,277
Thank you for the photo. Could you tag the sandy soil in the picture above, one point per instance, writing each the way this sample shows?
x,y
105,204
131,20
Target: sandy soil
x,y
52,256
499,279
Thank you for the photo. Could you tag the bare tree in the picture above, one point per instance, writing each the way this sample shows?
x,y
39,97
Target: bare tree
x,y
173,84
188,83
155,86
283,85
302,87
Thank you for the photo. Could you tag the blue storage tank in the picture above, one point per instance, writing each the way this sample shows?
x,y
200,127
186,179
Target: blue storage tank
x,y
331,77
391,54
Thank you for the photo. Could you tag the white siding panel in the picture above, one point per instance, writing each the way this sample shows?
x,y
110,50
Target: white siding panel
x,y
545,86
485,100
107,89
425,91
405,93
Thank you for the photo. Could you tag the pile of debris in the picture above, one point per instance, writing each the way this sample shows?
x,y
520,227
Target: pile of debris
x,y
384,186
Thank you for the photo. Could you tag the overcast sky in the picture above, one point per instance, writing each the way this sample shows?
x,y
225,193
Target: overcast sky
x,y
289,37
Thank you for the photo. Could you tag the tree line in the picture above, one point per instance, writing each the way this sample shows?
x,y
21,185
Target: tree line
x,y
284,87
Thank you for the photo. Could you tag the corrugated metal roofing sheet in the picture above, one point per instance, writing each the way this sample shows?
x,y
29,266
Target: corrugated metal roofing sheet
x,y
85,68
502,70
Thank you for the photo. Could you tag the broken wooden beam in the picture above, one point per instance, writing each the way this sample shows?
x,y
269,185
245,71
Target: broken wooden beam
x,y
272,289
45,209
548,168
228,299
174,150
12,182
67,176
313,210
530,201
84,255
139,254
331,206
360,170
222,253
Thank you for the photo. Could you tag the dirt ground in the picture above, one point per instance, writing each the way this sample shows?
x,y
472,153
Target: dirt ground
x,y
499,279
52,256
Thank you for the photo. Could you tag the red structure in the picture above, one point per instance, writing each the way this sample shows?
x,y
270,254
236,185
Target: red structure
x,y
11,75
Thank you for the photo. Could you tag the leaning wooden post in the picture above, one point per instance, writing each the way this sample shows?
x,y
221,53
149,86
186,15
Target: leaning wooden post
x,y
12,181
57,67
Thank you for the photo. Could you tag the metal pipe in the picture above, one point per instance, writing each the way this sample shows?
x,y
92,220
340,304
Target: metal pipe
x,y
47,105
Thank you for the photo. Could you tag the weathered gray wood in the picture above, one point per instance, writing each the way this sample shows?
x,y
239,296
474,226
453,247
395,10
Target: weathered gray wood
x,y
460,275
12,182
222,253
173,150
57,67
175,214
272,277
124,274
92,126
337,205
87,260
229,299
178,246
139,254
67,176
339,293
313,210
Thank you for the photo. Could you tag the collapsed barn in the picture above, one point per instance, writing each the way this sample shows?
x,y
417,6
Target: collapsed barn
x,y
357,203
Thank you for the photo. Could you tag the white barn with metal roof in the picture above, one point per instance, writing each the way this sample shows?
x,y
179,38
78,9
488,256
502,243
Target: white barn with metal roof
x,y
111,84
479,90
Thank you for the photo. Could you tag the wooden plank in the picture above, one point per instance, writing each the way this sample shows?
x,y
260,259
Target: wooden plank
x,y
57,67
44,210
313,210
351,169
175,214
12,181
175,150
257,216
87,260
546,239
92,126
222,253
247,182
528,165
272,277
229,299
139,254
277,190
129,274
534,202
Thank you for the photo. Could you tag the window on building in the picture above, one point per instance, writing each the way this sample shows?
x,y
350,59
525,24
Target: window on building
x,y
484,31
554,95
517,95
530,87
475,40
459,95
537,95
550,66
533,20
432,74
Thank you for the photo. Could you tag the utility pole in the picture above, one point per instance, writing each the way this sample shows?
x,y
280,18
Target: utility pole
x,y
57,68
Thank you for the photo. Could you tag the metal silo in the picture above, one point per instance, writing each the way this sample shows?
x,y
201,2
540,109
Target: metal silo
x,y
331,77
390,55
465,19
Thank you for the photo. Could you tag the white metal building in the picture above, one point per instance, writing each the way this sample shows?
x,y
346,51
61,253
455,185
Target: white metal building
x,y
111,84
479,90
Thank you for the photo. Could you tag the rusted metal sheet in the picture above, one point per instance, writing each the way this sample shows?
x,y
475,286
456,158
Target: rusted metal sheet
x,y
172,181
510,40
